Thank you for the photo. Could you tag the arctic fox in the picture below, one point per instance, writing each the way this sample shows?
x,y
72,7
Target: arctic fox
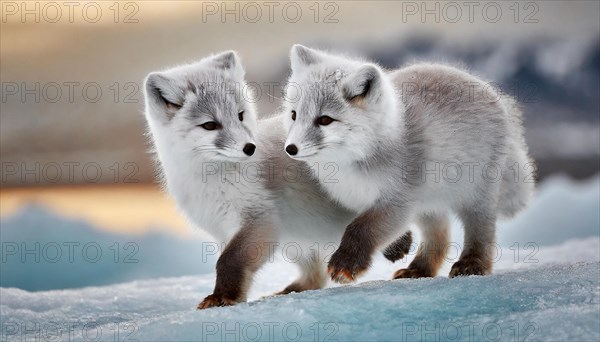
x,y
230,176
411,145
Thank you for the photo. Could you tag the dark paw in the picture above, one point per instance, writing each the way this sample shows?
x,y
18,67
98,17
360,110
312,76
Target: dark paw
x,y
215,300
470,266
411,273
399,248
345,267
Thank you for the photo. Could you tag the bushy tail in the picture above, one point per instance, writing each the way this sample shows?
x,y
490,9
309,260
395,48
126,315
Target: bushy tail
x,y
519,173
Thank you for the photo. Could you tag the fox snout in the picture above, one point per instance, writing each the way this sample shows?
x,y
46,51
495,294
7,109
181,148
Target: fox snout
x,y
246,149
302,143
235,142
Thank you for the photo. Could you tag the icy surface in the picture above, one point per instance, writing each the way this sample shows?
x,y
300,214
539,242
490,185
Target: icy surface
x,y
550,302
545,286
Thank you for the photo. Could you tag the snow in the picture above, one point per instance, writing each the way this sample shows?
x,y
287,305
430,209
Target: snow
x,y
551,302
545,286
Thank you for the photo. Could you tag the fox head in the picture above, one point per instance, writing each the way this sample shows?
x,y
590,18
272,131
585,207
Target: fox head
x,y
336,108
199,111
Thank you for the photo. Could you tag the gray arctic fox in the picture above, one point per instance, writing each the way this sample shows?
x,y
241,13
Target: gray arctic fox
x,y
411,145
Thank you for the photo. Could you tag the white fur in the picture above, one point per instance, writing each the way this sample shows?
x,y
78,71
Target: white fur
x,y
212,201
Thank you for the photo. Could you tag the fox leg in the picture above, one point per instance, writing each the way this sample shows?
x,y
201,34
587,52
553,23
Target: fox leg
x,y
242,257
480,234
363,236
432,250
312,277
399,248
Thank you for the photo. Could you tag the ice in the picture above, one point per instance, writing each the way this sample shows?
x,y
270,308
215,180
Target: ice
x,y
562,209
41,250
549,302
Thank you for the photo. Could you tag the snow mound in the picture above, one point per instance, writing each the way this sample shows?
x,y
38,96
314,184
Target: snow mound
x,y
548,302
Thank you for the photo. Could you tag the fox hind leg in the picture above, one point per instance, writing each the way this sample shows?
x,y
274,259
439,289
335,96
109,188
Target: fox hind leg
x,y
399,248
478,252
432,251
312,277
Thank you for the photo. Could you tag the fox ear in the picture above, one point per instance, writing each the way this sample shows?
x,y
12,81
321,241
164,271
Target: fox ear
x,y
301,56
359,86
229,60
163,96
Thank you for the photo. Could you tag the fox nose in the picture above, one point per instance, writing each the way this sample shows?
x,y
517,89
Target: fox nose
x,y
249,149
292,150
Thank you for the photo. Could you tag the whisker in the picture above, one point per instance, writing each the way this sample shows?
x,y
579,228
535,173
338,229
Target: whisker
x,y
275,97
204,149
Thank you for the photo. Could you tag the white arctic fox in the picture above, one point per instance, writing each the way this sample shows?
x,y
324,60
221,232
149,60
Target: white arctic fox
x,y
411,145
230,176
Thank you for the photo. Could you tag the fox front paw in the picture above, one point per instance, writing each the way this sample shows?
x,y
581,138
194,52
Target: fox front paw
x,y
215,300
470,266
345,267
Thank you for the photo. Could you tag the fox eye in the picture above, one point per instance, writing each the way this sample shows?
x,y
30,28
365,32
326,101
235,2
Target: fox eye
x,y
210,126
294,115
241,115
324,120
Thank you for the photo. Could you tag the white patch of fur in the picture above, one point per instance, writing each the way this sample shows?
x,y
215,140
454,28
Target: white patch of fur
x,y
351,187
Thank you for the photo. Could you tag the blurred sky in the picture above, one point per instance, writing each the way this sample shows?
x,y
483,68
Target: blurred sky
x,y
546,53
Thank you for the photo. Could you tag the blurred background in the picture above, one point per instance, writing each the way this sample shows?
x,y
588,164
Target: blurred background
x,y
76,174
